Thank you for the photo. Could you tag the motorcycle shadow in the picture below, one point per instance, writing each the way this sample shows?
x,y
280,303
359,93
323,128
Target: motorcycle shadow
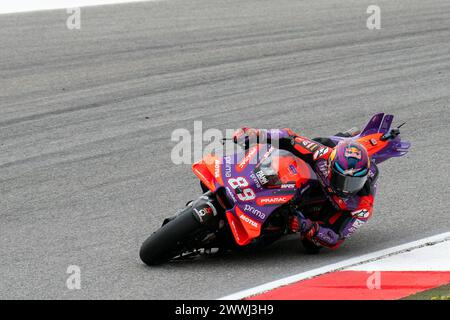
x,y
282,251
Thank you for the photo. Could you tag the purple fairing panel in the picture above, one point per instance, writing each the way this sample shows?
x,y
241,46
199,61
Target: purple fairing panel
x,y
395,148
386,123
231,171
380,123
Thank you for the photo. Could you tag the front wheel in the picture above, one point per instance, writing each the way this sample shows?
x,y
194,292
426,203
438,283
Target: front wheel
x,y
169,241
310,247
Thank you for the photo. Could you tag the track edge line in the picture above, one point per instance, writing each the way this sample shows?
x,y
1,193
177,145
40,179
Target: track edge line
x,y
370,257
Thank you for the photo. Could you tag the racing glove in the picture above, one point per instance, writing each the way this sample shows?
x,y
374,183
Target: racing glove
x,y
243,135
312,231
306,227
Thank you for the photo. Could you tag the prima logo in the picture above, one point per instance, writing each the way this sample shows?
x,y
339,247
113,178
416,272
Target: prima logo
x,y
253,210
228,167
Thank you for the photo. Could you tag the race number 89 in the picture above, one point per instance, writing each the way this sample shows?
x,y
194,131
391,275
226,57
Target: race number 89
x,y
242,183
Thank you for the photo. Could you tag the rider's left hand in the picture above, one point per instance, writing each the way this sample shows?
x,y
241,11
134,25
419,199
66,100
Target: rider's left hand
x,y
306,227
294,225
243,135
311,231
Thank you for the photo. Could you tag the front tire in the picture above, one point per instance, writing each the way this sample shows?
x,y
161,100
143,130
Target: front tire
x,y
168,241
310,247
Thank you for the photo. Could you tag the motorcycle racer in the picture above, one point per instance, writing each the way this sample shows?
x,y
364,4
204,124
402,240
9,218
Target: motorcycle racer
x,y
347,184
321,189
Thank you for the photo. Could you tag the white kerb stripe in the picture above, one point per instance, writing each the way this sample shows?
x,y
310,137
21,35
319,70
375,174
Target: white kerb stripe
x,y
339,266
426,258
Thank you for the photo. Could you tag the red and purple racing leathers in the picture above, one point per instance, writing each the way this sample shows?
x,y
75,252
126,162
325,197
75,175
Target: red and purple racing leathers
x,y
331,219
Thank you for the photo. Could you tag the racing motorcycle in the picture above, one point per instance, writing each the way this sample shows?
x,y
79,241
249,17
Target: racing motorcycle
x,y
248,196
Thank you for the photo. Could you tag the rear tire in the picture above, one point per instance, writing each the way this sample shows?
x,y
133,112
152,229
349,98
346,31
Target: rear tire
x,y
168,241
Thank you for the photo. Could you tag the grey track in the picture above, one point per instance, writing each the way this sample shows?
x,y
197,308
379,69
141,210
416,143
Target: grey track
x,y
85,177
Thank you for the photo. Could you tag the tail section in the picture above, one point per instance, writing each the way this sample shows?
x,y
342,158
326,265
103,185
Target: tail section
x,y
380,123
377,137
380,141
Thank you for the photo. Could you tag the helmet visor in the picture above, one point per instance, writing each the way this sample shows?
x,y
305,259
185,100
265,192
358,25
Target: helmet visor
x,y
347,184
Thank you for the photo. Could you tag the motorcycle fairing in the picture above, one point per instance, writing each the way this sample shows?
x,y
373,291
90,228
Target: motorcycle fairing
x,y
243,227
208,170
247,216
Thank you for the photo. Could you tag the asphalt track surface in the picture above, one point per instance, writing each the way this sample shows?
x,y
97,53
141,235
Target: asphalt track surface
x,y
85,177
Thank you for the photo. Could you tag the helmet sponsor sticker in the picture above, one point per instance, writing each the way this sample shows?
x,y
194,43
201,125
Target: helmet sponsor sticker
x,y
353,152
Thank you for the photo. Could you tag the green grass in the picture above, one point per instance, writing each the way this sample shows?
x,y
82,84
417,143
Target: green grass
x,y
439,293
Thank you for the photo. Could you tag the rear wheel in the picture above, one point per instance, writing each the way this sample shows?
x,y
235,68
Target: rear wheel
x,y
170,240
